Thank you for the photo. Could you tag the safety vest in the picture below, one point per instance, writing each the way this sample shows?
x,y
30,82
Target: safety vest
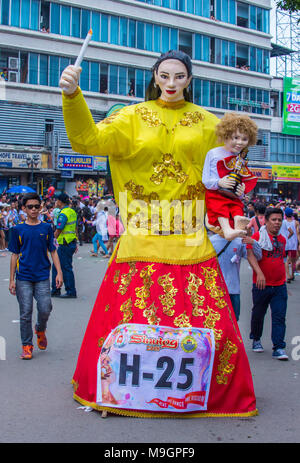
x,y
68,234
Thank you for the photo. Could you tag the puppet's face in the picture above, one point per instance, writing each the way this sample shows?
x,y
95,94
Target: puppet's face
x,y
237,142
172,78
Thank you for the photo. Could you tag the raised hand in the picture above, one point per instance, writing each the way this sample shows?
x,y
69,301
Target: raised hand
x,y
69,79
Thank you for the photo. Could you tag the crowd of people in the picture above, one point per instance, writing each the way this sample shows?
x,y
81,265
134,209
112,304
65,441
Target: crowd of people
x,y
98,220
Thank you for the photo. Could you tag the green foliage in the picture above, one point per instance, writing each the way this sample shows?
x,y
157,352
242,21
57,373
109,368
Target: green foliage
x,y
292,6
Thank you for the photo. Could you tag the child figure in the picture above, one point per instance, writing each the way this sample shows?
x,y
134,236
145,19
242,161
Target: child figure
x,y
223,196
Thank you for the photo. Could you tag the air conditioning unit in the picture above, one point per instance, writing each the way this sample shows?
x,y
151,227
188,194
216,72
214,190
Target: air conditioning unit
x,y
13,63
13,76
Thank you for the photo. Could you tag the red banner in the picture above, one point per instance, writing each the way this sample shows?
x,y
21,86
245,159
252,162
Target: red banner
x,y
191,398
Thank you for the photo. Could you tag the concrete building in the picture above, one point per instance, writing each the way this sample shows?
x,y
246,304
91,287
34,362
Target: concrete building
x,y
228,40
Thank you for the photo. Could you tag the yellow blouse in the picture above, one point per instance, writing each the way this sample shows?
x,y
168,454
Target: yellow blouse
x,y
156,152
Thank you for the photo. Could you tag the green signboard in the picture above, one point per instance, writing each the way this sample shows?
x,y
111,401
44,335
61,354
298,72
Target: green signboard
x,y
291,105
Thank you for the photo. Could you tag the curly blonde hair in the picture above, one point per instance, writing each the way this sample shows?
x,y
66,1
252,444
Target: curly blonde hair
x,y
232,122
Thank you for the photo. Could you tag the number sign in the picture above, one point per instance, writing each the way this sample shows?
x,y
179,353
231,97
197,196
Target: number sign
x,y
156,368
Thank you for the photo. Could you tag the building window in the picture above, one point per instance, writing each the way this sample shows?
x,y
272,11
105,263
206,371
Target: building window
x,y
156,38
186,42
25,14
132,33
113,79
23,67
114,30
33,68
96,26
5,12
140,43
65,20
45,16
205,93
139,83
149,37
34,15
75,22
54,71
122,81
190,6
242,58
165,40
85,22
63,63
103,78
124,32
85,75
95,87
15,13
54,18
49,125
104,28
43,78
131,82
242,14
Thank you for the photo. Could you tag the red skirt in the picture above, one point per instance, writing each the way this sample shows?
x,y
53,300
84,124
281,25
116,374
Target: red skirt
x,y
219,205
176,296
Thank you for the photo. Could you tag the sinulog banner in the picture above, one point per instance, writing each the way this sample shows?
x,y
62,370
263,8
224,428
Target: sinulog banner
x,y
291,105
156,368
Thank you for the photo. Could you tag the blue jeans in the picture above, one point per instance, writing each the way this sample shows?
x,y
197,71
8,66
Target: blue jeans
x,y
65,253
276,297
98,238
236,304
26,291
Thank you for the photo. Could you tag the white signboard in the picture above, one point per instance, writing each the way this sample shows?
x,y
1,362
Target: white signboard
x,y
156,368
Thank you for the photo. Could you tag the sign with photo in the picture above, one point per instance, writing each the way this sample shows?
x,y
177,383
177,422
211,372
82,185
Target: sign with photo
x,y
19,160
156,368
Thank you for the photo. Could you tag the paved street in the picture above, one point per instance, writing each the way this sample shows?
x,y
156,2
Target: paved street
x,y
36,396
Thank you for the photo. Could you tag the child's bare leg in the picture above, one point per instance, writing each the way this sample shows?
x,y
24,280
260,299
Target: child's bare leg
x,y
229,232
217,230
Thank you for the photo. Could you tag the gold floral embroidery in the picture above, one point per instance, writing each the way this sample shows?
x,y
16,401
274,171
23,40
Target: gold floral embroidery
x,y
107,308
126,278
100,342
210,323
192,290
138,192
210,277
126,308
182,321
143,292
190,119
116,276
109,119
168,168
217,293
210,284
150,117
167,299
193,192
226,368
151,316
75,385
